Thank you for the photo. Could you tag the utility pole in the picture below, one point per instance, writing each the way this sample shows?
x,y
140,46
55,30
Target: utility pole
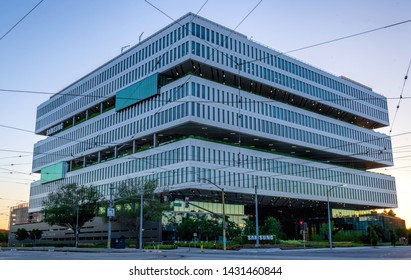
x,y
223,202
224,225
330,235
141,218
257,241
109,215
77,214
76,201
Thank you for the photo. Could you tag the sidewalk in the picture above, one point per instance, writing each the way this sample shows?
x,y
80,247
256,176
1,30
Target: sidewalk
x,y
73,249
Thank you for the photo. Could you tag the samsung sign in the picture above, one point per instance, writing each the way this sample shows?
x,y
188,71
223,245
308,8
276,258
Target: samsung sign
x,y
54,129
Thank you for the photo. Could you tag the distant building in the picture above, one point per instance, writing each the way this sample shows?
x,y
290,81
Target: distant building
x,y
199,107
362,223
19,214
92,232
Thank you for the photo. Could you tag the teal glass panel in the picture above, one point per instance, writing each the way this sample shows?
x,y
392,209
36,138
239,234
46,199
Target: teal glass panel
x,y
53,172
137,92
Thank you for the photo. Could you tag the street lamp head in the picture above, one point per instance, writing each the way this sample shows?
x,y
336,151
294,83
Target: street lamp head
x,y
211,182
124,47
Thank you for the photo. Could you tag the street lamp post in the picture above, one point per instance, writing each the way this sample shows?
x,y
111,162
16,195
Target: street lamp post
x,y
329,214
257,241
329,218
76,201
223,202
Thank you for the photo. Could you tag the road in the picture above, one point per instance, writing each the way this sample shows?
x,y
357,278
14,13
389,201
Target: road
x,y
358,253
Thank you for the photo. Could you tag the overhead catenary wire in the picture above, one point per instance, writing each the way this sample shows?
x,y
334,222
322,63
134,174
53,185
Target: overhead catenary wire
x,y
213,47
308,178
111,145
209,101
400,98
28,91
131,158
18,22
19,156
262,58
197,13
68,139
339,39
11,199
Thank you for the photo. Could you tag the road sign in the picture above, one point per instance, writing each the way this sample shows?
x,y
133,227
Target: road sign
x,y
111,212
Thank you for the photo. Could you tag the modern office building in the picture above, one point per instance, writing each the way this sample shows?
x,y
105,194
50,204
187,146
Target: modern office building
x,y
199,108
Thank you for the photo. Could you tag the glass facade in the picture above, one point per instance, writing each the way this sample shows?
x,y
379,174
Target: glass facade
x,y
234,213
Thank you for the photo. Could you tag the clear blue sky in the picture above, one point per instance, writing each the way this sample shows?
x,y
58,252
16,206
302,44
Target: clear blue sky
x,y
61,41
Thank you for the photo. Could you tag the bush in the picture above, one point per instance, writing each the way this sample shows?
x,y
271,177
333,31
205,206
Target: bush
x,y
160,246
316,237
348,236
209,245
291,243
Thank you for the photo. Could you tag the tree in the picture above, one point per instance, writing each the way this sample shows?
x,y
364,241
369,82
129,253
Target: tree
x,y
207,228
393,238
72,206
233,229
373,236
35,234
249,227
324,229
379,231
272,227
3,236
127,204
187,227
391,213
21,234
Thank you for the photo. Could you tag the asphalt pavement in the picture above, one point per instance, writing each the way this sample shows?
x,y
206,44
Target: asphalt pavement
x,y
69,253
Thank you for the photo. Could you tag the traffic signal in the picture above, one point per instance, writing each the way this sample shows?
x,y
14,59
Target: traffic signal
x,y
187,201
171,197
162,198
301,223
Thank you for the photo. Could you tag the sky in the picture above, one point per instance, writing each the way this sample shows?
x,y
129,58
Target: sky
x,y
61,41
